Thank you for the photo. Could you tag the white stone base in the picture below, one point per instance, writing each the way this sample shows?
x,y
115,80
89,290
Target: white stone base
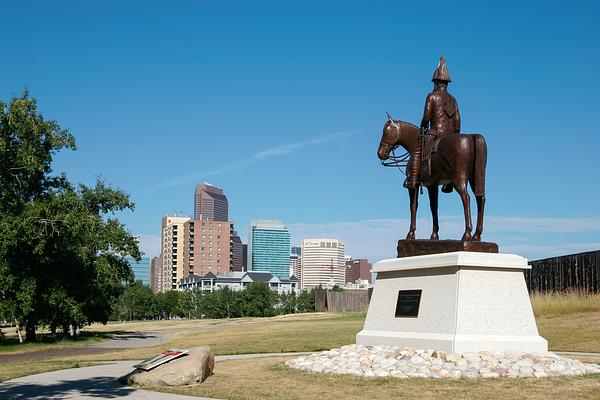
x,y
469,302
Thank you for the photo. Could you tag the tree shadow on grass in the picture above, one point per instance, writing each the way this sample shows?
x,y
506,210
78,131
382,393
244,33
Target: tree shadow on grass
x,y
102,387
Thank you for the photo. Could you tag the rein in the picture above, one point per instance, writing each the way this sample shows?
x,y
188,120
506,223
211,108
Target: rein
x,y
400,162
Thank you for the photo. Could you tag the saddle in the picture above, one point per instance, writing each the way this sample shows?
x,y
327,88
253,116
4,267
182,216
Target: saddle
x,y
430,143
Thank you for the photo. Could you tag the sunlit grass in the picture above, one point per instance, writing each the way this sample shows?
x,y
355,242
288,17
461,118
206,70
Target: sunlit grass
x,y
552,305
269,379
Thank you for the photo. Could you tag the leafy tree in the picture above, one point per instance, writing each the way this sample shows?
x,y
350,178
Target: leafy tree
x,y
259,300
169,304
288,302
223,303
137,302
61,248
306,301
193,303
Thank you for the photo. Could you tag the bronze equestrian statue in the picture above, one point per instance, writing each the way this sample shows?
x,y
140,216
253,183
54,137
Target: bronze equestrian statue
x,y
440,155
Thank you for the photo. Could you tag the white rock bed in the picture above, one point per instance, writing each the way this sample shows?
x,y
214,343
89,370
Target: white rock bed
x,y
390,361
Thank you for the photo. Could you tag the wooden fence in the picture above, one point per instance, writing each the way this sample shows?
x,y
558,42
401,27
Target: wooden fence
x,y
575,272
348,300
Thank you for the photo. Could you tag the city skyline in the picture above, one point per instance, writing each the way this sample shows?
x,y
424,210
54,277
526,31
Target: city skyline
x,y
284,108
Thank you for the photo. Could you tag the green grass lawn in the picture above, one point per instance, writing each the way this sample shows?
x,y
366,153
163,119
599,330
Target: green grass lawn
x,y
10,344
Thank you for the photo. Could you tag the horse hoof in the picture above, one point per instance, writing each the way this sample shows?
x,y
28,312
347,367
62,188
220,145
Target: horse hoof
x,y
434,236
466,237
410,236
476,238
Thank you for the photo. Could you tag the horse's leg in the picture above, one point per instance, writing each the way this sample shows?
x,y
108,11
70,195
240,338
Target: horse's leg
x,y
480,209
433,205
414,203
461,187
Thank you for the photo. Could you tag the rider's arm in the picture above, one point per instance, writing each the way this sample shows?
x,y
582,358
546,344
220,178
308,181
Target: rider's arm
x,y
456,121
426,112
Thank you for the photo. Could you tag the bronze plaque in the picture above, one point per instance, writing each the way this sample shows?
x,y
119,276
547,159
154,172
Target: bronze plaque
x,y
408,303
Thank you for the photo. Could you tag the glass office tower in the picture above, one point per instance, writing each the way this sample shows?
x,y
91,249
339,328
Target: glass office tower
x,y
269,247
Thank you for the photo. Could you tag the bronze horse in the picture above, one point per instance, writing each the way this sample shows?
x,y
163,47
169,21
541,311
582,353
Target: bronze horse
x,y
459,159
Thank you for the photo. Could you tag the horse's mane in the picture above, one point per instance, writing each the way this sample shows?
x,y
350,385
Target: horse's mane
x,y
408,123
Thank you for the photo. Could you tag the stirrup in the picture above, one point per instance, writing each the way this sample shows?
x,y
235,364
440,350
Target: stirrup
x,y
447,188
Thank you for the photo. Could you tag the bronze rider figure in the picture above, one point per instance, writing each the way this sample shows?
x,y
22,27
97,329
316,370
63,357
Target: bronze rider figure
x,y
440,118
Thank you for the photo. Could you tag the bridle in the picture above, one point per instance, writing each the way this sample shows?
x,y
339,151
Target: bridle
x,y
393,160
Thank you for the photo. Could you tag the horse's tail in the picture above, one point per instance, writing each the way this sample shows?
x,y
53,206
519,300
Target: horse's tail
x,y
480,163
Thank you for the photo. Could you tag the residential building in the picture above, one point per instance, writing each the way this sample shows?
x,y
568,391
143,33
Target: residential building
x,y
269,247
359,269
296,266
239,281
237,253
156,274
207,247
141,269
210,203
173,250
322,263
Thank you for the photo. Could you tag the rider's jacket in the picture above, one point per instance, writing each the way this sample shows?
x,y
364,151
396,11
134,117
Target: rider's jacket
x,y
441,113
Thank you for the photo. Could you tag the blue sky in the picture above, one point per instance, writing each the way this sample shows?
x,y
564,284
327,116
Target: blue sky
x,y
282,104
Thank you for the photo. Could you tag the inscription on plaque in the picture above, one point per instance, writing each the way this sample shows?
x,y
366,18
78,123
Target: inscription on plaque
x,y
408,303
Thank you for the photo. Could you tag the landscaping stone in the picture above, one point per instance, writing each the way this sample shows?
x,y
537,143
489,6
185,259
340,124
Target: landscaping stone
x,y
192,368
396,362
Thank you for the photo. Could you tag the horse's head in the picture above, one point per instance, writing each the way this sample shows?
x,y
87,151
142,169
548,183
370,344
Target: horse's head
x,y
389,139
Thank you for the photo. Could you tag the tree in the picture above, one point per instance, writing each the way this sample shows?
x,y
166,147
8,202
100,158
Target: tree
x,y
61,248
169,304
288,302
306,301
137,302
223,303
259,300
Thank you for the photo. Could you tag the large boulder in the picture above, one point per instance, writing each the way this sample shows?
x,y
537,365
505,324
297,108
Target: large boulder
x,y
192,368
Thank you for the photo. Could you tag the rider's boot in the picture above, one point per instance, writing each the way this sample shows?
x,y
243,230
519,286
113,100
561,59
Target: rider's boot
x,y
447,188
412,179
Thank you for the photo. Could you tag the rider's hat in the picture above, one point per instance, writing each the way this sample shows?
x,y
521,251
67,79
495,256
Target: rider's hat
x,y
441,72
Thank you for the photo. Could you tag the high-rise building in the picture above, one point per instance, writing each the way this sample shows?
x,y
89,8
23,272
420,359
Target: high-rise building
x,y
173,250
237,253
156,274
296,250
141,269
207,247
210,203
269,247
322,263
296,266
359,269
245,256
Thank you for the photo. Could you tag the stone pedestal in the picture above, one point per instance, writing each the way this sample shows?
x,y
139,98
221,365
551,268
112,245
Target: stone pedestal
x,y
456,302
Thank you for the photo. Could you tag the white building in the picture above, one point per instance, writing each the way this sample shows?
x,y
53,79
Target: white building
x,y
237,281
322,263
173,249
296,266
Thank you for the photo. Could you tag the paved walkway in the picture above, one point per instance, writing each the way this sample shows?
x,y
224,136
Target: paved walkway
x,y
119,341
97,382
134,340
